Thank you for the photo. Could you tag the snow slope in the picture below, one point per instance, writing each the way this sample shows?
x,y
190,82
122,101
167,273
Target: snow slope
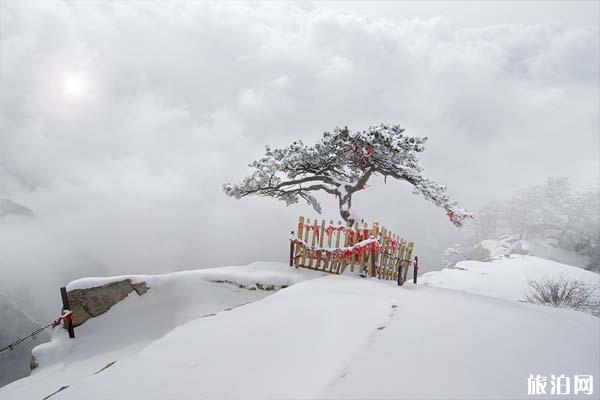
x,y
137,321
505,278
332,337
447,344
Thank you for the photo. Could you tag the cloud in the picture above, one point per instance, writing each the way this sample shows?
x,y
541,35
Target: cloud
x,y
179,97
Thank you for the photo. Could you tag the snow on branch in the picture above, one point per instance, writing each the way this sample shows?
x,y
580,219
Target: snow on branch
x,y
341,163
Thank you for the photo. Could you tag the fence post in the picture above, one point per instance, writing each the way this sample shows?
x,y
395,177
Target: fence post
x,y
375,262
415,269
300,260
409,250
292,249
372,266
66,306
321,230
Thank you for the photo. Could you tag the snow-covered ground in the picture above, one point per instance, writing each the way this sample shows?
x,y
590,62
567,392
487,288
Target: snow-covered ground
x,y
510,245
506,278
326,337
172,300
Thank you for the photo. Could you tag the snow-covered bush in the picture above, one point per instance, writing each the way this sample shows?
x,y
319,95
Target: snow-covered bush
x,y
565,293
453,255
341,163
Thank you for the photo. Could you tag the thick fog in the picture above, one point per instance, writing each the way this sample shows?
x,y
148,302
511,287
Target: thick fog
x,y
120,121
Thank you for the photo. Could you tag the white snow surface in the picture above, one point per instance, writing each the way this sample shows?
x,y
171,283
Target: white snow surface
x,y
505,278
265,273
327,337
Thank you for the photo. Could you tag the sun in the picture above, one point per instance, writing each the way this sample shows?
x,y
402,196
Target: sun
x,y
75,86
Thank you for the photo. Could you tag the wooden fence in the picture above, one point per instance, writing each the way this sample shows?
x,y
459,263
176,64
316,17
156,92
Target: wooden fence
x,y
374,251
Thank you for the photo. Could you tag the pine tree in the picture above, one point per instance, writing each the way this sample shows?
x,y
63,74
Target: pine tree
x,y
341,163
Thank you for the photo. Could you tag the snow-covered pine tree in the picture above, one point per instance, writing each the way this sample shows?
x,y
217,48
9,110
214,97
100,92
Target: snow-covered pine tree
x,y
341,163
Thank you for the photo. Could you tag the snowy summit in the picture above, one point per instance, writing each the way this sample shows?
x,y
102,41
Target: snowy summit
x,y
462,333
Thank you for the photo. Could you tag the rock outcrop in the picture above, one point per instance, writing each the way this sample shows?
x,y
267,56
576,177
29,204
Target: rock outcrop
x,y
256,286
480,253
33,364
91,302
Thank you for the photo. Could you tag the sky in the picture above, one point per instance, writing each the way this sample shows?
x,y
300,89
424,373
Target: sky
x,y
120,121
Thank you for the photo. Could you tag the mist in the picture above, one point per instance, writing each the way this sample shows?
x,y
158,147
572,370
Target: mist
x,y
119,123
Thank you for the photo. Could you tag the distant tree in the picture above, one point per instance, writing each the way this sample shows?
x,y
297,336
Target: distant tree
x,y
553,213
581,229
556,214
341,163
538,209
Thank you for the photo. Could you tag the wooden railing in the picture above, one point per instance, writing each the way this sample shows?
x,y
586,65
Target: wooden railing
x,y
373,251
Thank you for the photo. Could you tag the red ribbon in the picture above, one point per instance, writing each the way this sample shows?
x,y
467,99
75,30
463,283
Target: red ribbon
x,y
68,317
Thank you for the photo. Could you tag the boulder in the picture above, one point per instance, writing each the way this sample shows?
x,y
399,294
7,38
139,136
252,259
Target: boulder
x,y
487,250
91,302
480,253
33,364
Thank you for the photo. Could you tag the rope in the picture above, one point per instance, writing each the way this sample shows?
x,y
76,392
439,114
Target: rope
x,y
68,315
17,342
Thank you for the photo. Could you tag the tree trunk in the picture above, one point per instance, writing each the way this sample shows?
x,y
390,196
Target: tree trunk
x,y
345,204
